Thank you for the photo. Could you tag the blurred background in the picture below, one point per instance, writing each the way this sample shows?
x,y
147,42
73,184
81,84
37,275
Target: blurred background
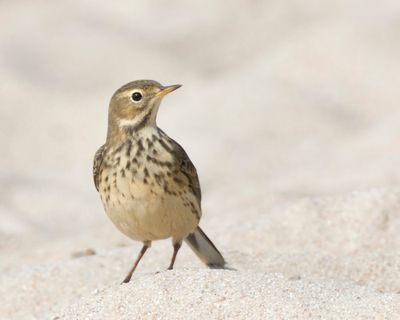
x,y
281,100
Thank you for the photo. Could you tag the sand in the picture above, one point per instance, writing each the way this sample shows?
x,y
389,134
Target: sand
x,y
289,111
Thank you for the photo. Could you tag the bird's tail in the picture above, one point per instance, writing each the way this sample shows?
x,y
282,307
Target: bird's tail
x,y
205,249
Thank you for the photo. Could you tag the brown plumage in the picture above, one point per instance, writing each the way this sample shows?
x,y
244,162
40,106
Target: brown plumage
x,y
148,185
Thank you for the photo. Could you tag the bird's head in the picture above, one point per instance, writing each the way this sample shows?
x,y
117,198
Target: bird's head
x,y
135,105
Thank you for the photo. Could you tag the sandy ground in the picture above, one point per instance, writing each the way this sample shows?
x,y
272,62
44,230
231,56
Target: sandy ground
x,y
289,110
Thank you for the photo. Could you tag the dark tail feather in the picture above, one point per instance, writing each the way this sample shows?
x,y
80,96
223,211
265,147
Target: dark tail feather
x,y
205,249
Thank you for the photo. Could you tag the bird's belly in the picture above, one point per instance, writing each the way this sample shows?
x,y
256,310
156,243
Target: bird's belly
x,y
144,212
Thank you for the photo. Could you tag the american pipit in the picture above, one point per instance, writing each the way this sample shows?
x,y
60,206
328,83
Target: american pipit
x,y
148,185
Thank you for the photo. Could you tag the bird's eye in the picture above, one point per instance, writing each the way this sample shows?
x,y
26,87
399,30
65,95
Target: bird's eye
x,y
136,96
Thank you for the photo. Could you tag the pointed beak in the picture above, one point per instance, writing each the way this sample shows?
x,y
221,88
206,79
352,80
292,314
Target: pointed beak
x,y
167,90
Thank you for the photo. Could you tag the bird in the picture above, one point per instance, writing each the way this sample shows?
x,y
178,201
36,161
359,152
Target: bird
x,y
148,186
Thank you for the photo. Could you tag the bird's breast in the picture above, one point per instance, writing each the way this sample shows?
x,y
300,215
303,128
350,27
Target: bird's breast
x,y
137,167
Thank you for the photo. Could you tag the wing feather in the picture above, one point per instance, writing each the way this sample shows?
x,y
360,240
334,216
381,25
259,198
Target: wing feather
x,y
188,169
97,162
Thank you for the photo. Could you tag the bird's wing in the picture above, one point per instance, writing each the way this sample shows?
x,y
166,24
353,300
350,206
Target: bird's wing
x,y
187,168
97,162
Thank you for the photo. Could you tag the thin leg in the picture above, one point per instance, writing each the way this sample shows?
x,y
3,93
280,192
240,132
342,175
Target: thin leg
x,y
146,245
176,249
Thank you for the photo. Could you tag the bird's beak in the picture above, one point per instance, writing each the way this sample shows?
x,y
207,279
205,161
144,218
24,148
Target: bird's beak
x,y
167,90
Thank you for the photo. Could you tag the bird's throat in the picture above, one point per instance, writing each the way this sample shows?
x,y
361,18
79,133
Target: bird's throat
x,y
119,129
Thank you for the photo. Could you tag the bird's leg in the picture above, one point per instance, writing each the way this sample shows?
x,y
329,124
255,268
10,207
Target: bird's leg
x,y
146,245
176,249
